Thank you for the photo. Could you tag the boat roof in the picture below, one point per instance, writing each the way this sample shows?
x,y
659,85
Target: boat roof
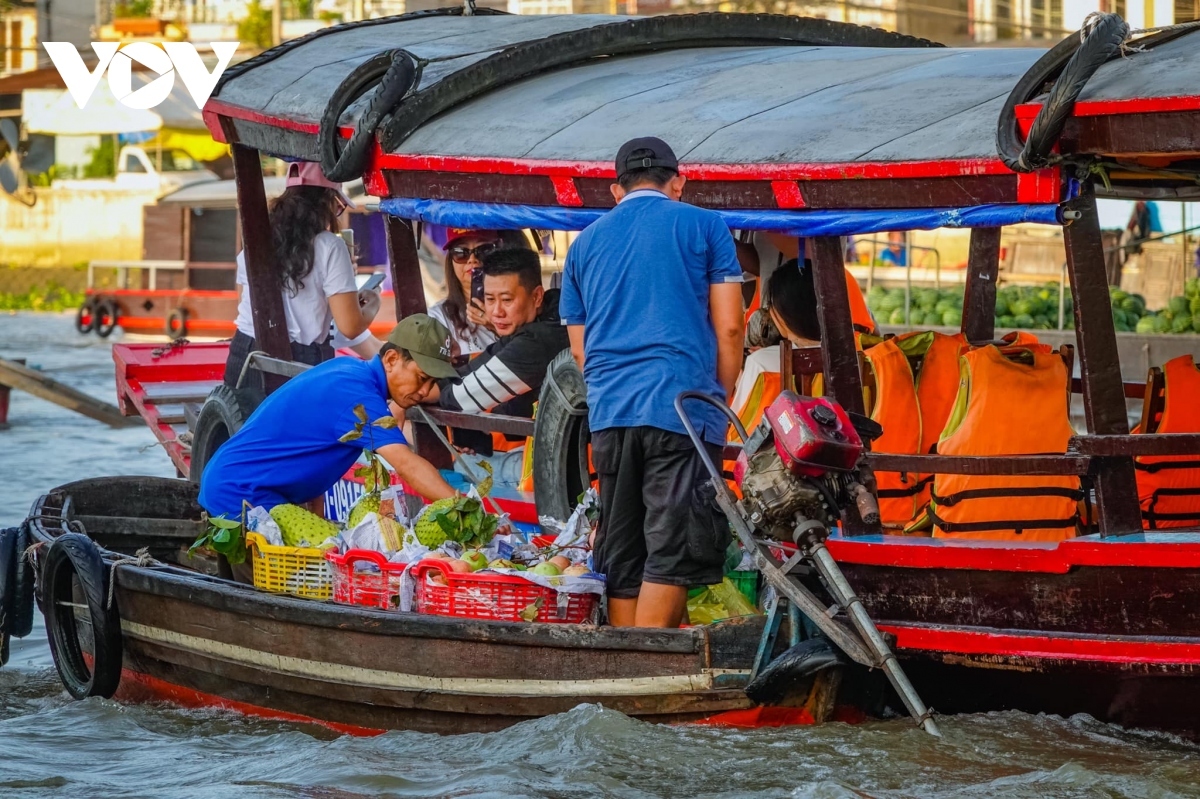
x,y
747,115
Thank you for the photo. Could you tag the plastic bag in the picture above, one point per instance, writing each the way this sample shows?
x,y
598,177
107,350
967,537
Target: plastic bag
x,y
259,520
717,602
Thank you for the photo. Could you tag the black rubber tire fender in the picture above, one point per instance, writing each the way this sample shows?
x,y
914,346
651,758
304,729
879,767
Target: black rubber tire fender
x,y
560,439
223,414
87,308
8,556
104,317
177,324
72,555
395,72
1070,64
788,673
23,587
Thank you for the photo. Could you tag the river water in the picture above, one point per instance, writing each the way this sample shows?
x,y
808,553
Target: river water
x,y
52,746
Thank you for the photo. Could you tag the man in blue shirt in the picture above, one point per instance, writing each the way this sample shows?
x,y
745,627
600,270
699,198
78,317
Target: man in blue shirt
x,y
290,449
652,301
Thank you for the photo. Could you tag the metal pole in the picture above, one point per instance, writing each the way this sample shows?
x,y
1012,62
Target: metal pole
x,y
1062,296
907,280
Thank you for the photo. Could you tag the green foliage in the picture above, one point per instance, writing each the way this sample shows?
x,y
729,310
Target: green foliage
x,y
48,297
104,159
225,537
140,9
254,29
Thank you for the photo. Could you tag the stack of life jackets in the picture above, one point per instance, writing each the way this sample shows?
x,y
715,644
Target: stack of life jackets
x,y
1169,486
1007,407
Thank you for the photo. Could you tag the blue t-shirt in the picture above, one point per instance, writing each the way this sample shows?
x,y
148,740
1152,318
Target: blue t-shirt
x,y
638,280
288,450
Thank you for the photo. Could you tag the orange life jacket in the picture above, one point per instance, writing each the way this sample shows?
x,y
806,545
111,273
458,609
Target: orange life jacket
x,y
1169,487
1007,408
895,408
860,314
766,390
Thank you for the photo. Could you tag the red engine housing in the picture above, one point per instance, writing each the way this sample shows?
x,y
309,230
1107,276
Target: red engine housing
x,y
813,435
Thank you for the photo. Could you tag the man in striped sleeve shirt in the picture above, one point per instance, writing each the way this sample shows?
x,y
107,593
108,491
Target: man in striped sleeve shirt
x,y
507,377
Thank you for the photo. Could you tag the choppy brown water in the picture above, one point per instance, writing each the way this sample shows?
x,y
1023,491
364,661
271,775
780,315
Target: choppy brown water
x,y
52,746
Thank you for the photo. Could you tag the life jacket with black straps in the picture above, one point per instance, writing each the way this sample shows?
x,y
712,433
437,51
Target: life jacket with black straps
x,y
1004,407
894,407
1169,486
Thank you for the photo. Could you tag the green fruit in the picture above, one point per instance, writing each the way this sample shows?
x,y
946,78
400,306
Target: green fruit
x,y
1023,320
1116,295
1179,305
896,317
1007,321
1145,324
501,563
1118,317
1181,324
1024,308
1191,287
931,319
952,318
476,559
300,527
367,503
546,569
1161,324
945,305
1196,322
1194,304
427,530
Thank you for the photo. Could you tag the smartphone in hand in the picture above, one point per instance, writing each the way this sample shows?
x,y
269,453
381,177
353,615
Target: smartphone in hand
x,y
374,281
477,285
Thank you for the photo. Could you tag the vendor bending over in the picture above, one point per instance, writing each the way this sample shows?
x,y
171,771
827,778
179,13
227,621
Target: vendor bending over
x,y
290,449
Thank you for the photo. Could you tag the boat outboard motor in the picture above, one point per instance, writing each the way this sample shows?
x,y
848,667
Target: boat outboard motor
x,y
799,469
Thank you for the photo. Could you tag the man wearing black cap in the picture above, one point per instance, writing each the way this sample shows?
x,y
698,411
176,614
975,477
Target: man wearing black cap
x,y
652,301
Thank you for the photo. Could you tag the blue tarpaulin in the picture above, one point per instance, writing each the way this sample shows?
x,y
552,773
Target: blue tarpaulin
x,y
499,216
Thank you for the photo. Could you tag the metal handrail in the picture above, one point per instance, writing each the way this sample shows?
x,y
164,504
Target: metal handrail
x,y
123,268
908,267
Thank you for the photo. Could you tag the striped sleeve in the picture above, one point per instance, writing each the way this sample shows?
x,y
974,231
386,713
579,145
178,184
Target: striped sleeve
x,y
490,384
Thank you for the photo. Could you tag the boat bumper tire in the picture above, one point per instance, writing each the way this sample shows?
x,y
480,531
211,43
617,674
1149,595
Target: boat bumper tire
x,y
104,317
223,414
177,324
560,439
85,317
76,590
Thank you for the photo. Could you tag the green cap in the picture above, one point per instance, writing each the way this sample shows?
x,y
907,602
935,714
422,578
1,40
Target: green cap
x,y
428,342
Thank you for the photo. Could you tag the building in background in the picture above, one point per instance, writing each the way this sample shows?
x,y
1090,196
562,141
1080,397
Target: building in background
x,y
18,37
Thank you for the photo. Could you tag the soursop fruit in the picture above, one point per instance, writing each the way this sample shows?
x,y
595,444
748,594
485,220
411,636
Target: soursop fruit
x,y
367,503
427,530
300,527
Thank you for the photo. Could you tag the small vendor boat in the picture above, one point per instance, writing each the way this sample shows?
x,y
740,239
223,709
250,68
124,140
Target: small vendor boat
x,y
805,128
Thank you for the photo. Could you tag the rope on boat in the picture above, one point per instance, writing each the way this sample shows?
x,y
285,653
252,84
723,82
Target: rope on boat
x,y
141,558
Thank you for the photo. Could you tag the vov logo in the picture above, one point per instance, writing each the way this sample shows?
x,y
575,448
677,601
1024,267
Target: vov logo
x,y
179,57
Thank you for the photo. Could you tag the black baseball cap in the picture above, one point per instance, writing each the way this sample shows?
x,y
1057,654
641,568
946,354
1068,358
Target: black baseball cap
x,y
644,153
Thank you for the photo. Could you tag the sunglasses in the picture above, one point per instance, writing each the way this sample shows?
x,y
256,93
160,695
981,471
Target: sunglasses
x,y
461,255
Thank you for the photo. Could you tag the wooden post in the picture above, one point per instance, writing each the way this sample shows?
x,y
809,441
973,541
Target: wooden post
x,y
979,302
407,286
843,382
1100,367
409,292
270,323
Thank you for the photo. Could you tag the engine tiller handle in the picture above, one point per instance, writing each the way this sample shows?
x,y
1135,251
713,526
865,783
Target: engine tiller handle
x,y
695,437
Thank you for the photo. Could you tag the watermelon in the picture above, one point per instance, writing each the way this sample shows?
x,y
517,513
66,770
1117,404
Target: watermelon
x,y
1006,321
1181,324
896,317
1179,305
930,319
1196,322
1161,324
1191,287
1145,325
1024,308
1023,320
1194,304
952,318
944,305
1001,306
1116,295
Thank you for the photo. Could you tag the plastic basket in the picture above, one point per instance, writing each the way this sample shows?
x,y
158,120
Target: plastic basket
x,y
377,586
746,582
442,591
289,570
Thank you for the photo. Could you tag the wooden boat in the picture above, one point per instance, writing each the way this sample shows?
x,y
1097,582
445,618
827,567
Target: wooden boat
x,y
792,126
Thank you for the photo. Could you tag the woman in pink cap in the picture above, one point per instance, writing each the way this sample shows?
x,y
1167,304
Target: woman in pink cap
x,y
315,275
469,325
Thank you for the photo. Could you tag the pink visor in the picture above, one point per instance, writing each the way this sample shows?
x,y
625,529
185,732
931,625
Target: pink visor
x,y
308,173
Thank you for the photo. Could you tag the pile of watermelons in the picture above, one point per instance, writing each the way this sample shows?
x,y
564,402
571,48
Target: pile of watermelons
x,y
1035,308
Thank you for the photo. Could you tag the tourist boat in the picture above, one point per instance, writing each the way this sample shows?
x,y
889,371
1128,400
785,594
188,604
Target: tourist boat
x,y
801,127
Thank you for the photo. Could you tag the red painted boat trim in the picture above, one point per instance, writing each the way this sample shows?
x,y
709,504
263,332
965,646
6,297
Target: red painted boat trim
x,y
755,717
1035,645
138,687
199,294
787,194
1014,557
1122,107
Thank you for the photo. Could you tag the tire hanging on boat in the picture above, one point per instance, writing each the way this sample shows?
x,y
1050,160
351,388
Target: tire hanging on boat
x,y
72,555
21,623
177,324
1070,64
222,415
787,674
104,317
8,555
561,471
86,309
395,72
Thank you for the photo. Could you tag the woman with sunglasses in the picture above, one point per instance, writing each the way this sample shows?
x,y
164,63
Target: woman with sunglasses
x,y
462,314
315,274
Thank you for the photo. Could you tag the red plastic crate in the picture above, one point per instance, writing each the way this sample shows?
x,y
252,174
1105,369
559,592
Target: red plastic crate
x,y
497,597
376,588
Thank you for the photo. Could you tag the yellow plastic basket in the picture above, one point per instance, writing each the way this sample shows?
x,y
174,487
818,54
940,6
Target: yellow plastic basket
x,y
289,570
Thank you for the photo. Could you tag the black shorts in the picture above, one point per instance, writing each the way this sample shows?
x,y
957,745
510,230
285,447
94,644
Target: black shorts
x,y
242,345
658,521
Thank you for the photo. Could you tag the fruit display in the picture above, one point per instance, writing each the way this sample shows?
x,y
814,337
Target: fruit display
x,y
1035,308
302,528
460,519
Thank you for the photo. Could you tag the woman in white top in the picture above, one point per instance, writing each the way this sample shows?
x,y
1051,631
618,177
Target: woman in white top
x,y
465,318
316,276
